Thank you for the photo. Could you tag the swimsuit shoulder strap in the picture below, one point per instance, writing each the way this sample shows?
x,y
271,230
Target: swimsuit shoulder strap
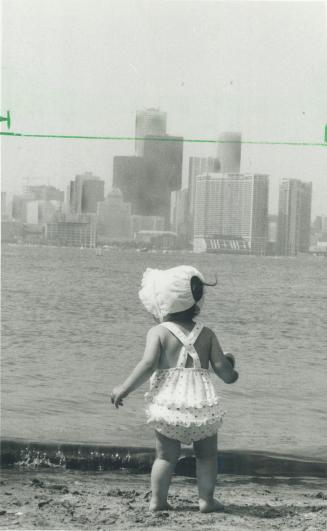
x,y
187,342
174,329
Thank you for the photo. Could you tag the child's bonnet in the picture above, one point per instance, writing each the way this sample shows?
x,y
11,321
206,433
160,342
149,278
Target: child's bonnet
x,y
168,291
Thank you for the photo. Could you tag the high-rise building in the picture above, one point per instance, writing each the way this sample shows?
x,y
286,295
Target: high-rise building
x,y
148,180
199,166
294,217
128,176
114,218
180,213
229,152
148,122
85,193
163,163
233,205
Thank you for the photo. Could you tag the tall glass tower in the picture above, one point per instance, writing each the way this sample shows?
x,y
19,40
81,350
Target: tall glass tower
x,y
229,151
294,217
148,122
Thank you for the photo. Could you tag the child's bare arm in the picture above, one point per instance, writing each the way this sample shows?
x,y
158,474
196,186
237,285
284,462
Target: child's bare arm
x,y
143,370
221,364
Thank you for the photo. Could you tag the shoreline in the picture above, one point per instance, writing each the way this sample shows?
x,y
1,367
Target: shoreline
x,y
92,457
119,501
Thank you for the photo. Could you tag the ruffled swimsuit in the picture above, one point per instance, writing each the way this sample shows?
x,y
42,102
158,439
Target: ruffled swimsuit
x,y
182,402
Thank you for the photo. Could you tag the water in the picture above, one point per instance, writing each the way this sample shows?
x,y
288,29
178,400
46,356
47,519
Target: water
x,y
73,327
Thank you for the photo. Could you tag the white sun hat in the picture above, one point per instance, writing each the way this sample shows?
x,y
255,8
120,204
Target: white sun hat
x,y
168,291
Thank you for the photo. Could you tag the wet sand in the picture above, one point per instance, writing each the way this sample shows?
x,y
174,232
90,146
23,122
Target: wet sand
x,y
119,501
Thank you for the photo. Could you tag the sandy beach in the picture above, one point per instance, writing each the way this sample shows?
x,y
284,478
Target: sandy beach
x,y
119,500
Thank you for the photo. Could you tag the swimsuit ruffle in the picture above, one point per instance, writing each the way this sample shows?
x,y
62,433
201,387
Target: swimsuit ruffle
x,y
183,397
186,417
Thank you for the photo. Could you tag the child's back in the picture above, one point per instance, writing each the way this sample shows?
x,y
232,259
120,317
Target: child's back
x,y
171,345
181,404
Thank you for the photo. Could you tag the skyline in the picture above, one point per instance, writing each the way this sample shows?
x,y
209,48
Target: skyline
x,y
259,68
186,185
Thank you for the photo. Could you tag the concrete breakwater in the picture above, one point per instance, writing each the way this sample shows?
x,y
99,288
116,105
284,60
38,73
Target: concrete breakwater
x,y
38,455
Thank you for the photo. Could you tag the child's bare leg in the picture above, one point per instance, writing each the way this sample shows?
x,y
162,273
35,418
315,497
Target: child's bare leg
x,y
206,473
168,451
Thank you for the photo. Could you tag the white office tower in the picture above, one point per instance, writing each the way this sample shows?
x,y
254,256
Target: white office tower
x,y
232,206
199,166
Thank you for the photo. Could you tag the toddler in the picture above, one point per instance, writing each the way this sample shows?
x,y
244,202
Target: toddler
x,y
181,404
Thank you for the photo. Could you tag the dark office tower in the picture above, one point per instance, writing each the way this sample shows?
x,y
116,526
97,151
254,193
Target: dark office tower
x,y
199,166
147,182
294,217
129,176
163,162
229,152
85,193
148,122
93,193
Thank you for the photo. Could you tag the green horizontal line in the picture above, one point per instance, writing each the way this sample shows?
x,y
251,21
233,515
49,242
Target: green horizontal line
x,y
165,139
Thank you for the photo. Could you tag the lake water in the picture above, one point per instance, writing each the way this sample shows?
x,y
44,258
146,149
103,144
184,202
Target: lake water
x,y
73,327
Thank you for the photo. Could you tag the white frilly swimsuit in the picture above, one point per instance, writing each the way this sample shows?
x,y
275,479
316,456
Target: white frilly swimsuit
x,y
182,403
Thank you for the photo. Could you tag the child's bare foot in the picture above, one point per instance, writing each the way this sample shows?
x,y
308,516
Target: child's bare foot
x,y
154,506
210,506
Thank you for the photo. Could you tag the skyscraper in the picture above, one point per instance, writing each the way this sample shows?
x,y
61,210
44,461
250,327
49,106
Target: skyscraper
x,y
163,164
199,166
233,205
147,181
180,214
229,152
85,193
148,122
294,217
129,176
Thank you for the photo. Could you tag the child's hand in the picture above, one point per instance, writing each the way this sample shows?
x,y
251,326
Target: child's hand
x,y
230,358
117,395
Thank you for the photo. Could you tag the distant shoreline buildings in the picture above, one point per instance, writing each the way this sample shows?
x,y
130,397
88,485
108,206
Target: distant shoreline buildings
x,y
222,210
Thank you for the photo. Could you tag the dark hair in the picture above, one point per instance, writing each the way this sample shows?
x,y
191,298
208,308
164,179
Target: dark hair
x,y
197,288
186,315
190,313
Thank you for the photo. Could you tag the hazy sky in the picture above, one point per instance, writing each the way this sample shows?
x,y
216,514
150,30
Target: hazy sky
x,y
85,66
